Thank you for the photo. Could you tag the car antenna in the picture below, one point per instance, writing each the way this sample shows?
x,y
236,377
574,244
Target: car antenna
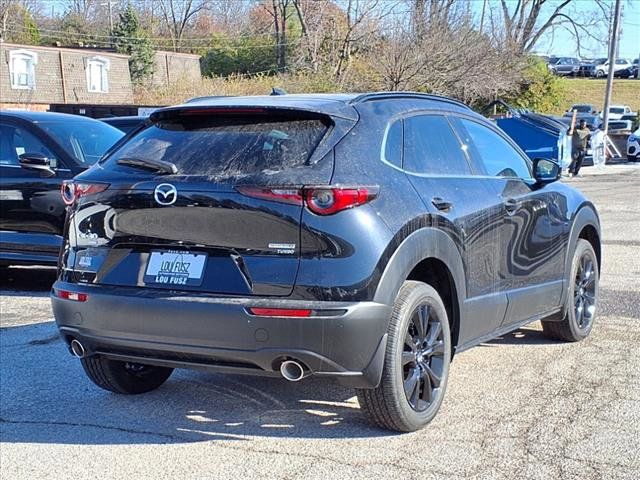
x,y
278,91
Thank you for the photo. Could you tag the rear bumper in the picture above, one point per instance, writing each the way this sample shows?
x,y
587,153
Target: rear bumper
x,y
216,333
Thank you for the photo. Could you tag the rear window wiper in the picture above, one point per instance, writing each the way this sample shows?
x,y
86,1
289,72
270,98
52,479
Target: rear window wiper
x,y
159,166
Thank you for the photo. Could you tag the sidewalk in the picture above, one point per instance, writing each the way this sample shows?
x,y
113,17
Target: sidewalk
x,y
631,168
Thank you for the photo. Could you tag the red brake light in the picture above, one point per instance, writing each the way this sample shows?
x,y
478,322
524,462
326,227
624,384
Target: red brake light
x,y
72,191
75,296
320,200
279,312
327,201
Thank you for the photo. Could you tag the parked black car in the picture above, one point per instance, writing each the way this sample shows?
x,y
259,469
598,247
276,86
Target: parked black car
x,y
126,124
37,152
360,237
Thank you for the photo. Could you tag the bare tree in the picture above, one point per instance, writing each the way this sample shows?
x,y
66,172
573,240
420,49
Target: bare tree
x,y
363,20
280,12
522,24
319,22
177,15
428,59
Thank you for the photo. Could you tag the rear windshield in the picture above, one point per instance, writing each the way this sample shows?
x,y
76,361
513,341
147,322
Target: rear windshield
x,y
86,141
582,108
226,146
616,110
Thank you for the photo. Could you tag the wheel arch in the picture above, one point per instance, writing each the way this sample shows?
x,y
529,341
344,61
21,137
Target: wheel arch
x,y
586,226
431,256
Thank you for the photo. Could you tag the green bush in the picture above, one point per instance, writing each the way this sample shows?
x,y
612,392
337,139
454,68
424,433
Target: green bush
x,y
242,55
540,90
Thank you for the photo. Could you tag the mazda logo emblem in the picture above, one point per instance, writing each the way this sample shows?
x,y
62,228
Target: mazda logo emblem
x,y
165,194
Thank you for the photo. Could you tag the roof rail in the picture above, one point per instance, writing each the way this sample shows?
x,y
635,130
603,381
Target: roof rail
x,y
367,97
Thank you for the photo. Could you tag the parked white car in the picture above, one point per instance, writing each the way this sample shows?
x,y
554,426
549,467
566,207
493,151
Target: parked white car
x,y
633,146
603,69
616,112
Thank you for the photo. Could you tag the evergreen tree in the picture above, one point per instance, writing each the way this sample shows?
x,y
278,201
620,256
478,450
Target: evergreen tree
x,y
130,38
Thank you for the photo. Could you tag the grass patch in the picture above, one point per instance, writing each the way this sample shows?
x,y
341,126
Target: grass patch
x,y
585,90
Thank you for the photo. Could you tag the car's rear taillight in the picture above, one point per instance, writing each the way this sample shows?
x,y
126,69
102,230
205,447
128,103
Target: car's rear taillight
x,y
283,195
320,200
75,296
72,191
327,201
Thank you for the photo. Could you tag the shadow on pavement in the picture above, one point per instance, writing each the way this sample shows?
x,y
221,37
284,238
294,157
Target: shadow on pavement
x,y
46,398
36,280
521,336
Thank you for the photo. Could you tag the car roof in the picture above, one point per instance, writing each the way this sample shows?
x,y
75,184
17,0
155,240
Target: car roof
x,y
44,116
335,104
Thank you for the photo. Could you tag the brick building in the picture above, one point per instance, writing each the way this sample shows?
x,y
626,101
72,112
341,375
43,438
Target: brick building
x,y
172,67
36,77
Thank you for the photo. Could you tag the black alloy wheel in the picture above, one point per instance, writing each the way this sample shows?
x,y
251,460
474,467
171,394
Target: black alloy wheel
x,y
416,363
423,358
576,320
584,292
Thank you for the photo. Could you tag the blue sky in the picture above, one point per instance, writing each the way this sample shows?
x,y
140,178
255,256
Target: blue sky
x,y
562,42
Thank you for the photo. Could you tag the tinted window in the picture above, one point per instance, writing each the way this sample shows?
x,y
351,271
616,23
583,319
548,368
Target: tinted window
x,y
393,144
14,141
497,156
86,141
226,146
581,108
430,146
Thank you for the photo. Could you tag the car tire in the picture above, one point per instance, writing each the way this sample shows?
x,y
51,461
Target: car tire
x,y
124,377
414,375
599,74
582,297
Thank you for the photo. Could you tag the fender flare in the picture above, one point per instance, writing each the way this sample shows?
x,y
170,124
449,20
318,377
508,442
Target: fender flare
x,y
420,245
585,216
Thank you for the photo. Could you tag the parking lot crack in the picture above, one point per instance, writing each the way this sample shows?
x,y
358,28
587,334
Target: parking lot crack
x,y
172,438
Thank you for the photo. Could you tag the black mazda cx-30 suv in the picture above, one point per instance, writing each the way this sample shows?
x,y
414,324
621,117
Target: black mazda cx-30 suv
x,y
361,237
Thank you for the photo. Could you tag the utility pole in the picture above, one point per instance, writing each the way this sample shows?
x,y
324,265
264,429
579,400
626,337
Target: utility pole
x,y
613,49
110,18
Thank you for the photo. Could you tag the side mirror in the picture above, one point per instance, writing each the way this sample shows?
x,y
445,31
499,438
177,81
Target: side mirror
x,y
545,171
37,161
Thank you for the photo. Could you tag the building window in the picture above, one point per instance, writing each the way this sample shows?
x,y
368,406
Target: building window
x,y
22,65
98,75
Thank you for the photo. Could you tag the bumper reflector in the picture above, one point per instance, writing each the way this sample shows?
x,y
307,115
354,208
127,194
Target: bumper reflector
x,y
75,296
279,312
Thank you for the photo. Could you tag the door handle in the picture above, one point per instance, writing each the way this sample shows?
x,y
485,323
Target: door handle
x,y
511,205
441,204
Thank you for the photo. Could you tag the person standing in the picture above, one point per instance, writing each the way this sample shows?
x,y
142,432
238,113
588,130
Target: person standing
x,y
579,140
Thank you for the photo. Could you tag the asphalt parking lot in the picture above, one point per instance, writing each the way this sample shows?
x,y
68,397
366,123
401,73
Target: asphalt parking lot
x,y
521,406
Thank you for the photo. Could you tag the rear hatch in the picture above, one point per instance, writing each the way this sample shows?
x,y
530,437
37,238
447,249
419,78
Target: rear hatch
x,y
202,200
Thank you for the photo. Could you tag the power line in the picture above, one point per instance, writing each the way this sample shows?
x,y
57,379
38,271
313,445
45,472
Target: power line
x,y
156,46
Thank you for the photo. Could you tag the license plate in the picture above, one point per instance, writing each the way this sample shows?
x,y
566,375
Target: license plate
x,y
175,268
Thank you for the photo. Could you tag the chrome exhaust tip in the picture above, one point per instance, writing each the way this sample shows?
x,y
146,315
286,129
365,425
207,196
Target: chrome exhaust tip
x,y
293,371
77,349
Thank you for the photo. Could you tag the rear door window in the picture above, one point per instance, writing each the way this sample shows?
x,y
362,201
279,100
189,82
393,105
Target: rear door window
x,y
431,147
226,146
